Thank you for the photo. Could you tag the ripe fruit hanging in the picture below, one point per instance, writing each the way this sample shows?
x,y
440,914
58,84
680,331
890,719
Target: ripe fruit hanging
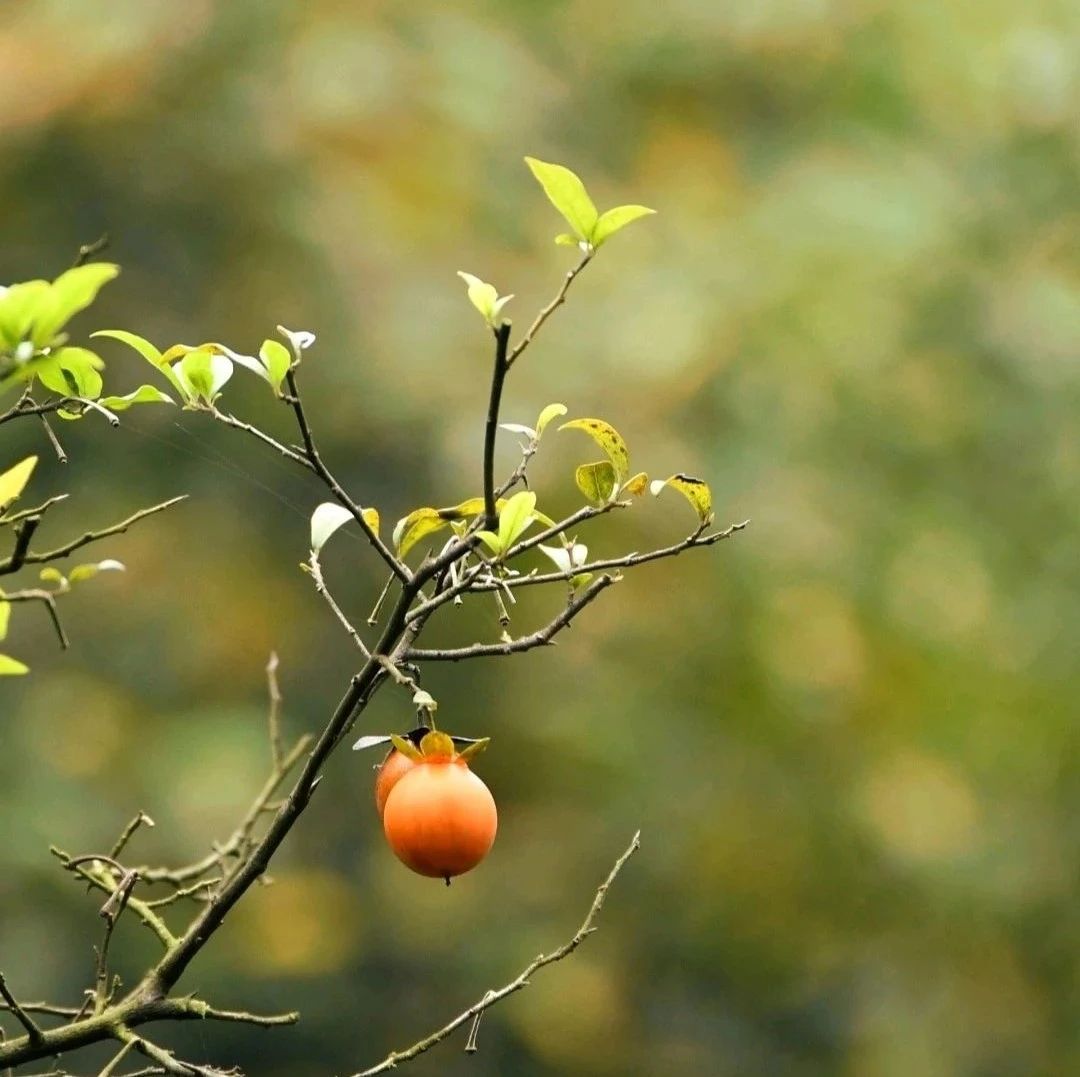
x,y
393,768
439,818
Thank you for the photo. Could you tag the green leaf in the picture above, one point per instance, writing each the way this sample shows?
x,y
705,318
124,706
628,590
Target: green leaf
x,y
614,220
10,667
515,517
567,194
88,572
147,351
596,481
72,372
325,520
417,525
52,575
20,306
552,411
145,394
202,372
491,541
485,298
14,480
696,491
71,292
564,239
5,616
277,359
608,438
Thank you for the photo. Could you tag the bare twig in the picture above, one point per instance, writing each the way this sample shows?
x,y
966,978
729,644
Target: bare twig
x,y
273,717
89,251
39,510
490,998
89,537
320,586
141,819
266,439
397,567
523,643
48,600
32,1031
54,441
560,298
491,425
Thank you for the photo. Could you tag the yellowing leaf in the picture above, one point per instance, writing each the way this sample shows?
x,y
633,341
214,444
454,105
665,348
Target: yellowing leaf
x,y
5,616
371,518
614,220
637,484
696,491
567,194
552,411
608,438
14,480
417,525
596,481
9,667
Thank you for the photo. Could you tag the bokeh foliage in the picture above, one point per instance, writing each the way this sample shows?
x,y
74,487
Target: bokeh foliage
x,y
848,736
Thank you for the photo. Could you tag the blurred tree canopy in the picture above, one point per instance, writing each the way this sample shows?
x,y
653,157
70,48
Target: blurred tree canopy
x,y
848,737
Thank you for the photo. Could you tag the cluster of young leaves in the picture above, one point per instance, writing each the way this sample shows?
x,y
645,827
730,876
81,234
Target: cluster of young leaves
x,y
34,342
198,373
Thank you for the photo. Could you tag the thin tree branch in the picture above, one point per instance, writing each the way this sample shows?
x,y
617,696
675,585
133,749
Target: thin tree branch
x,y
266,439
89,251
89,537
39,510
26,406
24,532
320,585
560,298
398,567
490,998
498,377
523,643
273,717
34,1033
48,600
54,441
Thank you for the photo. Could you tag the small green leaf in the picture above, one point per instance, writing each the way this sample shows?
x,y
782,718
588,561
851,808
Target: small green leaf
x,y
72,372
20,305
608,438
203,372
10,667
325,520
145,394
614,220
71,292
579,581
596,481
133,340
14,480
491,541
696,491
567,194
515,517
52,575
564,239
417,525
277,359
88,572
5,616
552,411
485,298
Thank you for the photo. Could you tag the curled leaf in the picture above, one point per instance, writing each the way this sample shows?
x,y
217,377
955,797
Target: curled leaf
x,y
299,340
608,438
637,484
325,520
88,572
552,411
485,298
276,359
371,518
596,481
417,525
696,491
145,394
567,558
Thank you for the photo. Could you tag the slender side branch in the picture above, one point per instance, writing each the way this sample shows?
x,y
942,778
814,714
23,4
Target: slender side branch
x,y
320,585
560,298
490,998
266,439
90,536
398,567
24,532
24,1019
523,643
48,600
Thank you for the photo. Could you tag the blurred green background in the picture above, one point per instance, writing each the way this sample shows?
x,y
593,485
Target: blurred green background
x,y
848,735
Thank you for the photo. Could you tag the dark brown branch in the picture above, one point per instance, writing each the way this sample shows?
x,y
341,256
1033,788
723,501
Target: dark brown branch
x,y
490,998
48,600
266,439
399,568
523,643
24,532
90,536
35,1035
89,251
26,406
498,377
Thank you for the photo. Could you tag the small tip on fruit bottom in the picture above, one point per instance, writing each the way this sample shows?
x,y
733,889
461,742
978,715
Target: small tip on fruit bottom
x,y
447,878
